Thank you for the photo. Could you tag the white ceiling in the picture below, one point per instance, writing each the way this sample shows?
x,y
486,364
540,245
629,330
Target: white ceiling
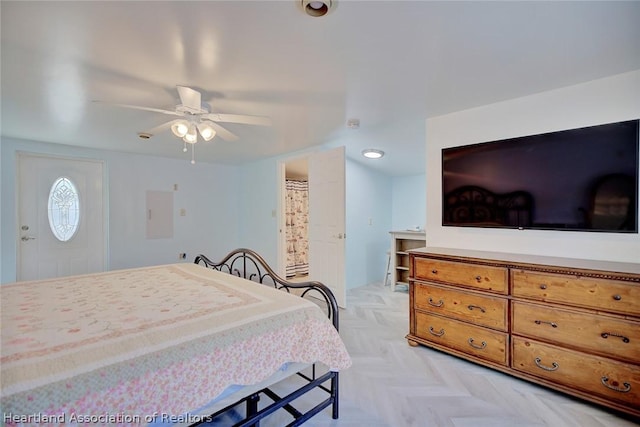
x,y
390,64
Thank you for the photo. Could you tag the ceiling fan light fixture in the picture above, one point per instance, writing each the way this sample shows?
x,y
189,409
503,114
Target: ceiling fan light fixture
x,y
191,136
206,131
196,118
372,153
180,128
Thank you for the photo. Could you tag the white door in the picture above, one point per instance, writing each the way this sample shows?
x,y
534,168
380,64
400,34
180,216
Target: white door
x,y
60,217
327,221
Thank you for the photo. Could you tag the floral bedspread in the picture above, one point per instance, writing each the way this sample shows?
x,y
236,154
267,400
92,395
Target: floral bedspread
x,y
130,346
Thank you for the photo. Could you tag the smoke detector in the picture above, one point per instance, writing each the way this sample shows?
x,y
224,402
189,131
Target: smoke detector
x,y
144,135
353,123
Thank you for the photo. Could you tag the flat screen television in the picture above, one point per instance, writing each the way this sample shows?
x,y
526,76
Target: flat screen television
x,y
582,179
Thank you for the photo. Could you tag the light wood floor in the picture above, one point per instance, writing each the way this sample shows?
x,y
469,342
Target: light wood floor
x,y
394,385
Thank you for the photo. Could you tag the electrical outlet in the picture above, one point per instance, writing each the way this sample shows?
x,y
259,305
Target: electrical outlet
x,y
182,255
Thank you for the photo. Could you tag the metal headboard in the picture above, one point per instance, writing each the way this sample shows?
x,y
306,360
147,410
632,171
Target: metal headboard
x,y
247,264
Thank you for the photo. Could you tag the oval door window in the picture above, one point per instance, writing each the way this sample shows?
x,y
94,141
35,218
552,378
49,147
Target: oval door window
x,y
64,209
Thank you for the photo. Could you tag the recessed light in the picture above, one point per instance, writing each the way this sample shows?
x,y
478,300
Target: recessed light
x,y
316,7
371,153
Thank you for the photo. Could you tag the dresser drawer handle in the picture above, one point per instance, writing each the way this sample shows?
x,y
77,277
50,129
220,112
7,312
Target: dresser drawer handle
x,y
479,347
626,389
617,297
471,307
543,286
553,367
434,271
437,334
478,278
539,322
440,303
611,334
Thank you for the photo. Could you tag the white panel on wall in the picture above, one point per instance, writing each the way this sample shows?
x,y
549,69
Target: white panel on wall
x,y
159,214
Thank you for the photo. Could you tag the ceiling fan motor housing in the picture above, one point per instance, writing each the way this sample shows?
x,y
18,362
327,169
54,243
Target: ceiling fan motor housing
x,y
185,109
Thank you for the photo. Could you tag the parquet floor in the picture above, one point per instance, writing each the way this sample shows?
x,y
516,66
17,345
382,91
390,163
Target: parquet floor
x,y
394,385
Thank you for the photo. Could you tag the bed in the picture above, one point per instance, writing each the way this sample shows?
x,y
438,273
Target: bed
x,y
169,344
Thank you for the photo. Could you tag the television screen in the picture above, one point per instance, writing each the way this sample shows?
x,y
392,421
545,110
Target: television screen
x,y
582,179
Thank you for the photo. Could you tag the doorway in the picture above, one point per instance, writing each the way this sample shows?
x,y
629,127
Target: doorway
x,y
296,220
324,173
61,229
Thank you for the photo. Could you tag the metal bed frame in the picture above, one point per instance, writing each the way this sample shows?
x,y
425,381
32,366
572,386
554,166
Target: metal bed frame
x,y
249,265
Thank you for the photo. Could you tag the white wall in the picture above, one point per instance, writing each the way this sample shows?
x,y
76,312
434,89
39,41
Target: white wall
x,y
207,192
368,224
409,202
226,207
611,99
2,180
258,212
368,195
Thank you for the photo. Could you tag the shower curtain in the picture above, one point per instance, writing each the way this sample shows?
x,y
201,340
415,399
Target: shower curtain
x,y
297,221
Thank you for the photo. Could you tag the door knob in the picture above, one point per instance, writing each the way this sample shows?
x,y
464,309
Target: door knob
x,y
26,238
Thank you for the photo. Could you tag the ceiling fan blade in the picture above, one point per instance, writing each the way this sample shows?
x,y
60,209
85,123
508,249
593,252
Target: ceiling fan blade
x,y
189,97
138,107
239,118
222,132
161,128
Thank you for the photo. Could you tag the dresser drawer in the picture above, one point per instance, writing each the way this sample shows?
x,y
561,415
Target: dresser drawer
x,y
489,278
477,309
484,343
607,336
602,294
604,377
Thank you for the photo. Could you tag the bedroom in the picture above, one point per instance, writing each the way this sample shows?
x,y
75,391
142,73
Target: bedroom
x,y
611,96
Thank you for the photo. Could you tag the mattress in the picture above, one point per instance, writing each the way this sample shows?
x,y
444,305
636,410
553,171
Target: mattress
x,y
133,346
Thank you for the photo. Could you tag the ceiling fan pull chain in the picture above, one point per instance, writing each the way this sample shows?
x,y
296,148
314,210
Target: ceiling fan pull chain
x,y
193,154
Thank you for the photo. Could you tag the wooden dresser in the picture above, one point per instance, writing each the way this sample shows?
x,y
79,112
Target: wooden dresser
x,y
572,325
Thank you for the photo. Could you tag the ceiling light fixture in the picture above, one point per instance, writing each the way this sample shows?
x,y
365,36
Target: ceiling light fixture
x,y
371,153
316,8
191,136
188,131
180,128
206,131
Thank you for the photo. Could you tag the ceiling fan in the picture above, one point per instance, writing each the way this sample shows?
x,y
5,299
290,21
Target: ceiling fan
x,y
195,118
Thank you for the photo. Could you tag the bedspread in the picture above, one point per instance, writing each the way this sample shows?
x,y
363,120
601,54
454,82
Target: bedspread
x,y
121,346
